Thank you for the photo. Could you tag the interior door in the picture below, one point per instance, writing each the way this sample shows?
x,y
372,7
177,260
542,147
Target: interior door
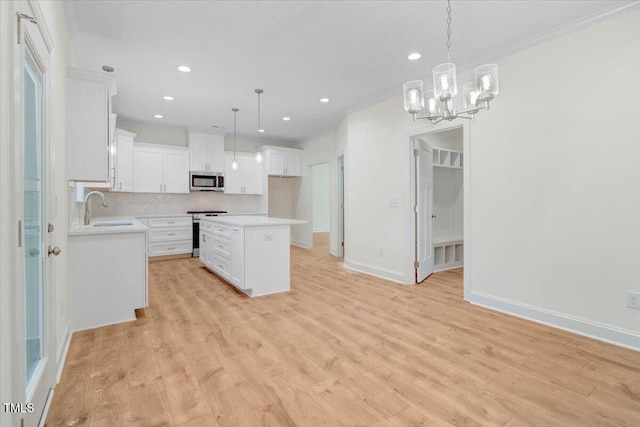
x,y
36,305
423,156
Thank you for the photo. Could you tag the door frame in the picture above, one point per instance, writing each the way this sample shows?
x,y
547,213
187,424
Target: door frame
x,y
466,169
340,193
37,39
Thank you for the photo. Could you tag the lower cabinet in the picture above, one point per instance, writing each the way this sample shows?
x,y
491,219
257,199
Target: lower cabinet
x,y
170,235
253,259
107,278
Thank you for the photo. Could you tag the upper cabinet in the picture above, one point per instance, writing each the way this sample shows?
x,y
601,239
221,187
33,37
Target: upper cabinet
x,y
206,152
160,169
122,161
247,179
281,161
89,125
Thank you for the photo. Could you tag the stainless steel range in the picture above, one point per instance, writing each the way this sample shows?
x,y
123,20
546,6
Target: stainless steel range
x,y
197,216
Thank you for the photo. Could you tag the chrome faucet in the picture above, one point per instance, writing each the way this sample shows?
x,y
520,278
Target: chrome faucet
x,y
87,212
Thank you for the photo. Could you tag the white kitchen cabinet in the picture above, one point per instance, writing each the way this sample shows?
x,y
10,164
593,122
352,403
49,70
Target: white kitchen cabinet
x,y
169,235
282,161
89,125
237,257
206,152
250,252
107,277
159,169
247,179
206,244
123,161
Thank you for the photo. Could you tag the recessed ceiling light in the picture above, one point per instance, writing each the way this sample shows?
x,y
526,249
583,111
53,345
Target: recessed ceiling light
x,y
157,116
168,98
261,130
286,119
184,68
324,99
414,56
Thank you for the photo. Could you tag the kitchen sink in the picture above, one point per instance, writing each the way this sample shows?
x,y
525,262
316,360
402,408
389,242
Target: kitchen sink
x,y
112,223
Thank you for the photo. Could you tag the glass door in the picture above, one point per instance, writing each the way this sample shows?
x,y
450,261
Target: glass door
x,y
36,305
34,238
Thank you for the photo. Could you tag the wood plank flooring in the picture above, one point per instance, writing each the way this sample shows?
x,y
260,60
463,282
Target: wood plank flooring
x,y
340,349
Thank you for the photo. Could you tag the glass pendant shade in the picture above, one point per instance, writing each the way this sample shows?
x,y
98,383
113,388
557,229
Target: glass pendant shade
x,y
413,96
471,96
432,105
487,81
444,81
234,164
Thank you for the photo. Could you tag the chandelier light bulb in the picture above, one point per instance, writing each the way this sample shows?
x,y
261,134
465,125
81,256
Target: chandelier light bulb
x,y
413,96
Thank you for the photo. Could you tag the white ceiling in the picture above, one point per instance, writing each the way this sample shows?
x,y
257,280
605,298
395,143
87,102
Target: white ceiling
x,y
353,52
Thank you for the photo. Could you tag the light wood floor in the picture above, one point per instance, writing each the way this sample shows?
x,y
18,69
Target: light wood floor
x,y
340,349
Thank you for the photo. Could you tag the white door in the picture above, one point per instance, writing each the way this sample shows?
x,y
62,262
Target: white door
x,y
293,164
176,172
35,307
124,168
276,163
147,170
423,209
232,180
340,251
251,175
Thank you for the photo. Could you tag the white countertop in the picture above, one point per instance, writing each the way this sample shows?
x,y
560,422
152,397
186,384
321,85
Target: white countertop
x,y
83,230
252,220
159,216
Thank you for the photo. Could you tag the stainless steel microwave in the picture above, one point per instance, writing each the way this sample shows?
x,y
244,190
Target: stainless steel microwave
x,y
206,181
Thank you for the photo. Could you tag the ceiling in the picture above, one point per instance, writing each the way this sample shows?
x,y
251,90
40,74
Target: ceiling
x,y
352,52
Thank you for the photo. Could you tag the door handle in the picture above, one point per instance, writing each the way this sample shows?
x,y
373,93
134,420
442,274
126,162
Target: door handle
x,y
55,251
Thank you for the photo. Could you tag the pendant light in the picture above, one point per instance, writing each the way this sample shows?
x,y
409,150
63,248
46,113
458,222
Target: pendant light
x,y
437,104
260,130
234,164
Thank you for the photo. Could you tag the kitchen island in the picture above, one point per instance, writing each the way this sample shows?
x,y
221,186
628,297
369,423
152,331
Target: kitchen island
x,y
249,252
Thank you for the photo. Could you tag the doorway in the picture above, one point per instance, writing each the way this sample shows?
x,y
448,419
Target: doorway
x,y
439,199
320,205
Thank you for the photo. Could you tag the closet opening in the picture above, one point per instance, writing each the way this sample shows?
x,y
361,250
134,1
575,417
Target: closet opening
x,y
438,166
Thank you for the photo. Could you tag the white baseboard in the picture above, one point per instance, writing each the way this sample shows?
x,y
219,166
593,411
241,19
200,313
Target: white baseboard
x,y
611,334
63,349
394,276
300,243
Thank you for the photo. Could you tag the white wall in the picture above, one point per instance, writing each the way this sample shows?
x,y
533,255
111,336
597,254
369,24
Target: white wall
x,y
555,181
320,197
53,18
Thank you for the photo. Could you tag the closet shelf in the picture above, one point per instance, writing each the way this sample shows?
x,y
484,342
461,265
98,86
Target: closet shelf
x,y
447,158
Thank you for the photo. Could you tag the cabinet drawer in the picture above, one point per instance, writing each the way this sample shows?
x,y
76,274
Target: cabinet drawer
x,y
221,246
222,231
158,249
222,266
206,226
170,234
170,222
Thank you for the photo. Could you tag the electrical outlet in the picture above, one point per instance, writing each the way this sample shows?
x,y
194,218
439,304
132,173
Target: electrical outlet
x,y
633,300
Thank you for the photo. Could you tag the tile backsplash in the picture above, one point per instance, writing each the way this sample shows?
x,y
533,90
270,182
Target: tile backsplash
x,y
140,204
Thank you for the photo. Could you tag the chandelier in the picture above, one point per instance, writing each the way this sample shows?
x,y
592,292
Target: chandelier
x,y
437,104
